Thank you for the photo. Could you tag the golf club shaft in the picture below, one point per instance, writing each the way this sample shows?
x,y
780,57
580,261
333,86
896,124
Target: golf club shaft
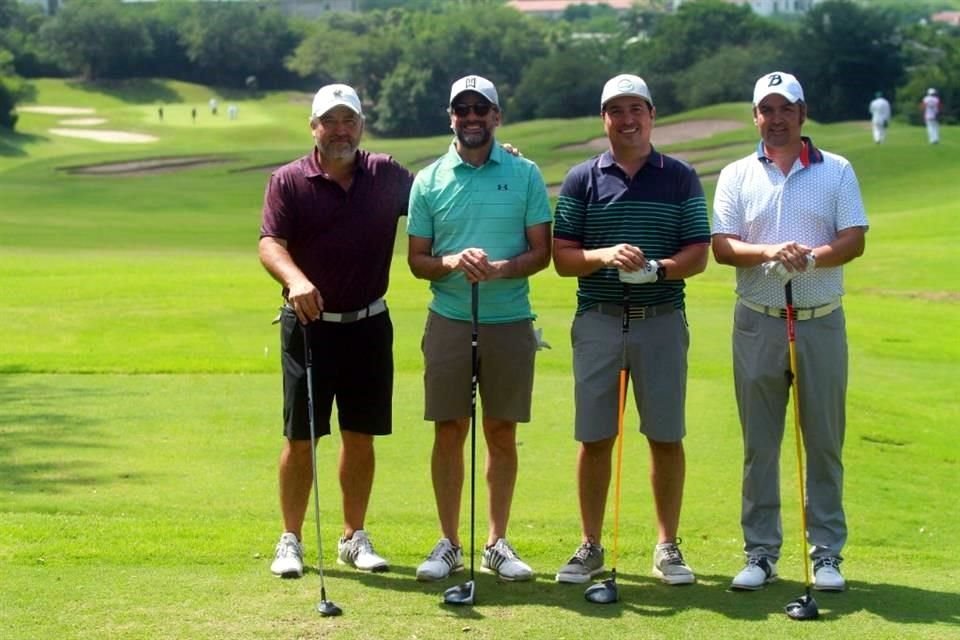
x,y
621,408
795,386
308,362
474,373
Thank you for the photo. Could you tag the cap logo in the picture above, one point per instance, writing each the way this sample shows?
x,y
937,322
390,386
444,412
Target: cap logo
x,y
625,85
471,82
775,80
338,93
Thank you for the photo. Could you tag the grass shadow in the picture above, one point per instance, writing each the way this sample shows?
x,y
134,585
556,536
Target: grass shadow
x,y
12,143
36,416
132,91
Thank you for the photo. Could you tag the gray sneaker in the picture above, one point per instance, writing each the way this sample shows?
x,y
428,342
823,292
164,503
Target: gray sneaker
x,y
585,563
668,564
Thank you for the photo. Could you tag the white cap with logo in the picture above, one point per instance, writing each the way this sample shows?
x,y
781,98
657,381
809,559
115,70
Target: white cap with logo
x,y
335,95
780,83
625,84
477,84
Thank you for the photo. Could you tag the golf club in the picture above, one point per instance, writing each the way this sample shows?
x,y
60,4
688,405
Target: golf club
x,y
325,607
606,592
463,594
804,607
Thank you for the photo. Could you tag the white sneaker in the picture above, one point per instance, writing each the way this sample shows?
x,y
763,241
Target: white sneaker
x,y
442,561
288,558
668,564
503,561
826,574
358,552
760,570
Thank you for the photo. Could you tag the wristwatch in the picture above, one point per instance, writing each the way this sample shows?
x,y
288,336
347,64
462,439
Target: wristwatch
x,y
661,273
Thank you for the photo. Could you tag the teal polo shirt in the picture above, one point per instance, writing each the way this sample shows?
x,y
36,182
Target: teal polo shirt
x,y
458,206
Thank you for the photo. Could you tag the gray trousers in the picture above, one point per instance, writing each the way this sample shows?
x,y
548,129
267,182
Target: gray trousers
x,y
761,363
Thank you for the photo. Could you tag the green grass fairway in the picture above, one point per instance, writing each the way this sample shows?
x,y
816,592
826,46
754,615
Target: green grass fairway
x,y
140,405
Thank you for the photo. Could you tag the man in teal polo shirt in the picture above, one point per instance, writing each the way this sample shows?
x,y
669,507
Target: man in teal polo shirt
x,y
477,215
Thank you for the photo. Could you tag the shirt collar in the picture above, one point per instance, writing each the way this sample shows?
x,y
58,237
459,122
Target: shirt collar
x,y
655,159
809,154
453,159
311,167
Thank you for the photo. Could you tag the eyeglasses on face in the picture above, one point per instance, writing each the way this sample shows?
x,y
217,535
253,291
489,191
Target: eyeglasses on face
x,y
461,110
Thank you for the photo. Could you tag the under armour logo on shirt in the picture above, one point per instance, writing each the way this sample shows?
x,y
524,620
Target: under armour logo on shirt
x,y
502,187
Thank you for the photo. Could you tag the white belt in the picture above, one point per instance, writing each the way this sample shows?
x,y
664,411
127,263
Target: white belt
x,y
372,309
798,314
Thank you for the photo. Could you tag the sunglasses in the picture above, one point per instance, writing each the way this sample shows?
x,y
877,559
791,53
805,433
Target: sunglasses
x,y
463,110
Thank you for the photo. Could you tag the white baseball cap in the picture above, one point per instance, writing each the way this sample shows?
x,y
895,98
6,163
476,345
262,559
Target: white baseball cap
x,y
335,95
778,82
931,91
477,84
625,85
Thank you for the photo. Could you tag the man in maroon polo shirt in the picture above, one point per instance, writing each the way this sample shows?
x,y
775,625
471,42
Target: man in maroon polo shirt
x,y
329,223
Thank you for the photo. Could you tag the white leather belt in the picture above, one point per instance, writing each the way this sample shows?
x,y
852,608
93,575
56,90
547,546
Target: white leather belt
x,y
798,314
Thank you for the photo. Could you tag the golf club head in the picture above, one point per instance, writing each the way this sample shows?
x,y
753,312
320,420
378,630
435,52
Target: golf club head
x,y
460,595
803,608
605,592
327,609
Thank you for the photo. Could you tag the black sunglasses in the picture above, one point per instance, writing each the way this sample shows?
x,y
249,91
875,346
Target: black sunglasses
x,y
480,108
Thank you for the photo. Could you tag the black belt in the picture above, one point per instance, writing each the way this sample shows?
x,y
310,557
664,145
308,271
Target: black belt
x,y
636,313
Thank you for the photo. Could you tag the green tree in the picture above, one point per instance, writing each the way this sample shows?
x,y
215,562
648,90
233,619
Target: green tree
x,y
561,85
932,54
13,89
230,41
97,38
728,75
844,53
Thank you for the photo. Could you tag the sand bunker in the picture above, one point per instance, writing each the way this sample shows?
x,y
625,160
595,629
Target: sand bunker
x,y
147,166
82,122
58,111
121,137
670,133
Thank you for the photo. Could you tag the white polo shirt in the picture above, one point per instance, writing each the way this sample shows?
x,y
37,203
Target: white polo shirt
x,y
818,198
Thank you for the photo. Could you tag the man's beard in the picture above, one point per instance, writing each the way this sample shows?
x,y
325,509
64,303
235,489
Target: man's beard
x,y
474,140
338,150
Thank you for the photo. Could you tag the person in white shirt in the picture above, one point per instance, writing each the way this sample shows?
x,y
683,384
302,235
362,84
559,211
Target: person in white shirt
x,y
930,105
879,117
778,213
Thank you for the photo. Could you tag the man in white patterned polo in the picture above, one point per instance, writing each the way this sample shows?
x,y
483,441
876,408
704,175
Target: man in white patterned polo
x,y
789,212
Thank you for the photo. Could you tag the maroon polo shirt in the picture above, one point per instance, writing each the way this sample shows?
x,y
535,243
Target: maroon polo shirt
x,y
341,240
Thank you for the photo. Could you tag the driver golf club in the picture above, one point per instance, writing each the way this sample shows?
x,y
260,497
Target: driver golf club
x,y
606,592
804,607
325,607
463,594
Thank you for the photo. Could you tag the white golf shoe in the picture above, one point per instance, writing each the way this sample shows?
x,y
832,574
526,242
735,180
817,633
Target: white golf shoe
x,y
288,558
357,552
760,570
501,559
442,561
826,574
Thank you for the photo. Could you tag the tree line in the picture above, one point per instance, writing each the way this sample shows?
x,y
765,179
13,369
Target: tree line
x,y
402,56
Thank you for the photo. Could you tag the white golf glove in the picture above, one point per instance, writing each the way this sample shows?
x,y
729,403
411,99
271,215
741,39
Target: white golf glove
x,y
778,270
642,276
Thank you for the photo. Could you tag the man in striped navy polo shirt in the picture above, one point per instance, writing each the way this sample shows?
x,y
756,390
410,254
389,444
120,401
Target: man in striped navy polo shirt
x,y
630,224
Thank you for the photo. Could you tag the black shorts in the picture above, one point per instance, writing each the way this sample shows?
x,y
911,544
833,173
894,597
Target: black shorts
x,y
352,362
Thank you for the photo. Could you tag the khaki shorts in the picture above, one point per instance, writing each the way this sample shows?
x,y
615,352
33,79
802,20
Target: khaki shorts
x,y
506,354
657,358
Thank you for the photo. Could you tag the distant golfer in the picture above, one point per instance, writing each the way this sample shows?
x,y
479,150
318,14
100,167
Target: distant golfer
x,y
630,222
778,213
931,106
477,214
879,117
329,225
